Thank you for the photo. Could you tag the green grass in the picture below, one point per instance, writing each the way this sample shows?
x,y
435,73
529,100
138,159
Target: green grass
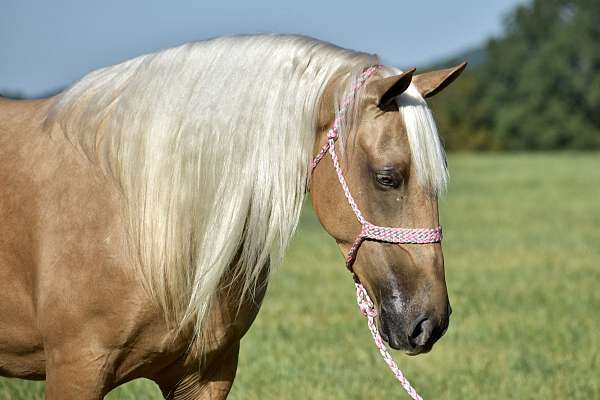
x,y
522,250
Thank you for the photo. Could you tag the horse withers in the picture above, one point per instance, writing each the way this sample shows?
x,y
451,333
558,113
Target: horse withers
x,y
143,208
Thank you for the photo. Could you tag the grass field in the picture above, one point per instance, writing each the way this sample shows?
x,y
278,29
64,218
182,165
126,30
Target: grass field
x,y
522,250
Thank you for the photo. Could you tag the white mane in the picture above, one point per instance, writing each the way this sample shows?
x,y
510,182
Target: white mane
x,y
210,144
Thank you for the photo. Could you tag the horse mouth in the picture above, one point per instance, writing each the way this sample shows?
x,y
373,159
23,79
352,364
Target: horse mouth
x,y
404,347
395,343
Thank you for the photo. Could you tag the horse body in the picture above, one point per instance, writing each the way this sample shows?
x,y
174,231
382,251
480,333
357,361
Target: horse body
x,y
142,208
71,303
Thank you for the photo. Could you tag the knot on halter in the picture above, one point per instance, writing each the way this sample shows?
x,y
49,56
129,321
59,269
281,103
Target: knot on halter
x,y
331,134
365,304
367,309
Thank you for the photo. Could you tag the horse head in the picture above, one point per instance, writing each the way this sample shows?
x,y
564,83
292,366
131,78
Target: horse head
x,y
394,166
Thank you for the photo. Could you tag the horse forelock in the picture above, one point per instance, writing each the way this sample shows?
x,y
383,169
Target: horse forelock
x,y
426,148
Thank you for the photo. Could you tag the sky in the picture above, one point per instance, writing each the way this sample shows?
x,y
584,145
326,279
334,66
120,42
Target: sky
x,y
45,46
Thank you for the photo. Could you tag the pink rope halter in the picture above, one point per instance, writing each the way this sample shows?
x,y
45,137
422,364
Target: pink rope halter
x,y
371,232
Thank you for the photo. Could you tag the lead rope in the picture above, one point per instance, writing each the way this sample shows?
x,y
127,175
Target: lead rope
x,y
366,306
370,231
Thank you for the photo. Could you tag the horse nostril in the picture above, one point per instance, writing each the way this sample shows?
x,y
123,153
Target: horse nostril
x,y
421,331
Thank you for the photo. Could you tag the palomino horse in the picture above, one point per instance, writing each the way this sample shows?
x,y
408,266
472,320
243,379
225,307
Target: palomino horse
x,y
143,207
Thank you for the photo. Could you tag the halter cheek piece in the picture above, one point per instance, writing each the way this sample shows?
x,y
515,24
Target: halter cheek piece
x,y
368,230
371,232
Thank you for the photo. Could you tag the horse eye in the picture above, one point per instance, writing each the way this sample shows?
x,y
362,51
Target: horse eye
x,y
387,179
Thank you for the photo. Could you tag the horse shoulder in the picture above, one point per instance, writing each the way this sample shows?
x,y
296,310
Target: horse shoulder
x,y
67,279
21,349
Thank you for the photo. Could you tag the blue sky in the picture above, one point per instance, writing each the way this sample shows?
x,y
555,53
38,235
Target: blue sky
x,y
47,45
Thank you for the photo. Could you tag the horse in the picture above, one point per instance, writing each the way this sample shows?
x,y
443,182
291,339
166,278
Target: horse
x,y
144,207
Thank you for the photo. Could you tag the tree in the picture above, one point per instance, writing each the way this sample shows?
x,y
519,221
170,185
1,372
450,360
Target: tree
x,y
538,87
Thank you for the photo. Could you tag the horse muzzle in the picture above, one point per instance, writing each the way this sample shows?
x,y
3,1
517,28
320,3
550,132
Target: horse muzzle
x,y
412,332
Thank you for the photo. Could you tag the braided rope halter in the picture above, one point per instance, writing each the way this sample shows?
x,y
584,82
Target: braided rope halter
x,y
371,232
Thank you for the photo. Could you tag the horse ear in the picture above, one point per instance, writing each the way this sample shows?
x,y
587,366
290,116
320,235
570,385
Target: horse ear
x,y
433,82
386,89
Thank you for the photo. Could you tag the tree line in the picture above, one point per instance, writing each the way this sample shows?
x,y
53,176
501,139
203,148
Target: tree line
x,y
536,87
